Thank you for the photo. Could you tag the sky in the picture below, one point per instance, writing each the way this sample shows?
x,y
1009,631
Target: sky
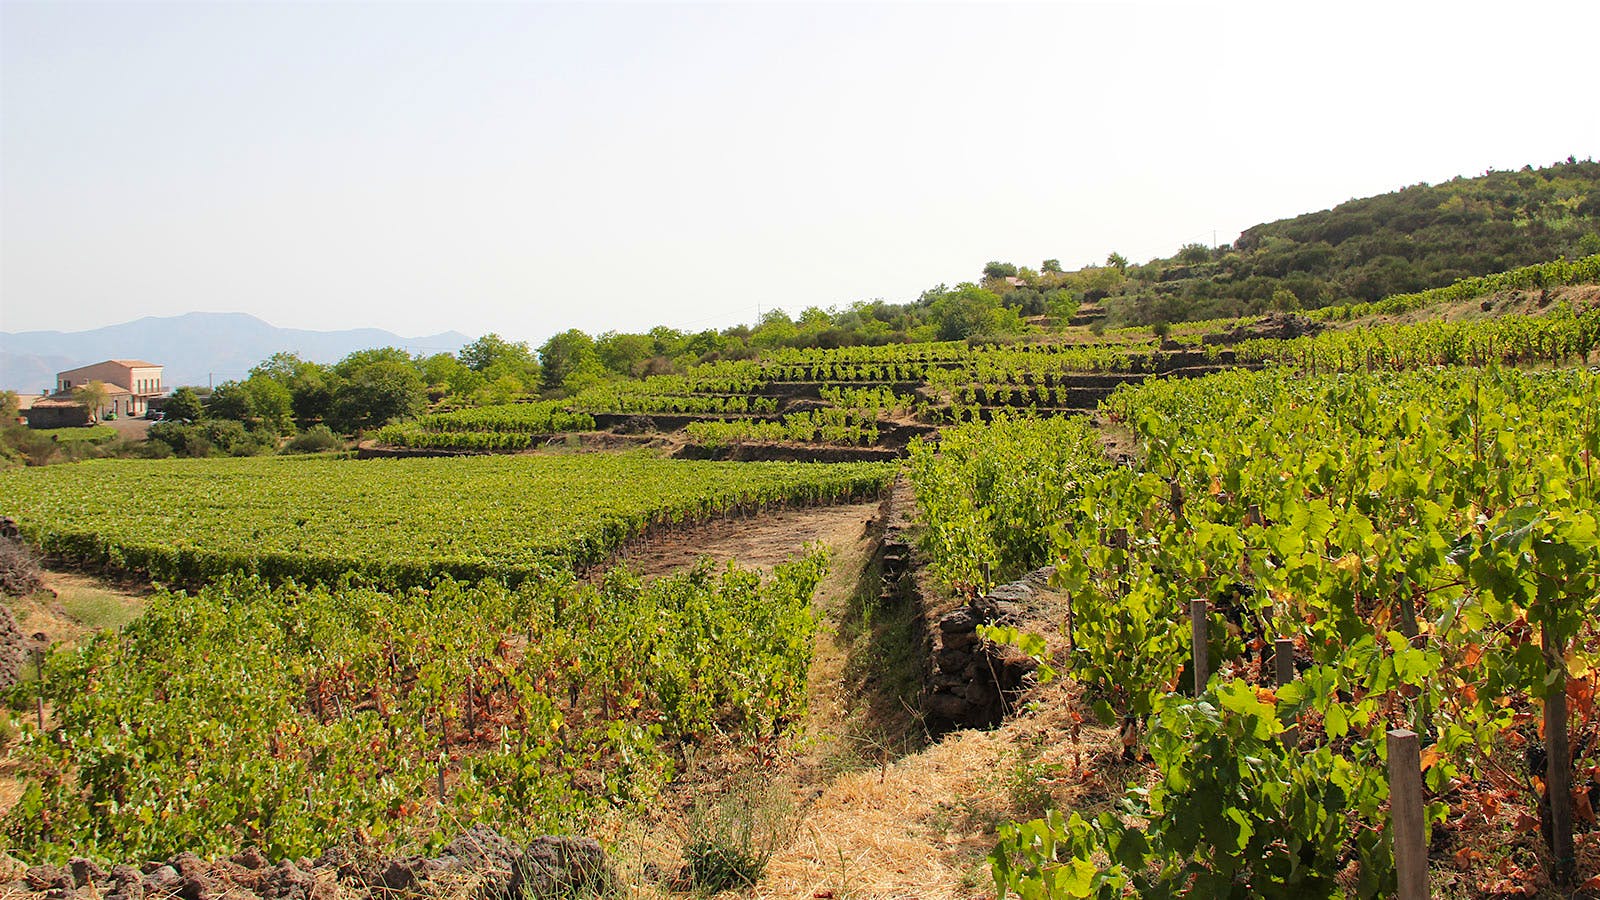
x,y
523,168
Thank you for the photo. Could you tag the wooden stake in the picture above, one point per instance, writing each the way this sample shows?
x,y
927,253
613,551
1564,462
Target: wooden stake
x,y
1283,664
38,669
1283,659
444,752
1406,814
1408,612
1197,632
1558,765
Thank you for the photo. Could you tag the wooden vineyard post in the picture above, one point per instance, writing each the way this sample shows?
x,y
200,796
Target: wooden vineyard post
x,y
39,639
444,751
1119,539
1283,660
1406,814
1558,765
1283,670
1408,613
1197,631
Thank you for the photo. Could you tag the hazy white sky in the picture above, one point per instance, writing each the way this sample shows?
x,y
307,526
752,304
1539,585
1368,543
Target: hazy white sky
x,y
526,167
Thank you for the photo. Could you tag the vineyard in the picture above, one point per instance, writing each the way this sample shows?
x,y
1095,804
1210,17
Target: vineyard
x,y
492,428
1425,541
286,718
394,521
1269,553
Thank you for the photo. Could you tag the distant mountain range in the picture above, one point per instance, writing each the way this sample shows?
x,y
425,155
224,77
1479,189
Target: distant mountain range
x,y
196,348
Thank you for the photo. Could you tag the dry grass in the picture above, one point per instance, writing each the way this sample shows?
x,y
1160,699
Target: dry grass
x,y
923,826
73,606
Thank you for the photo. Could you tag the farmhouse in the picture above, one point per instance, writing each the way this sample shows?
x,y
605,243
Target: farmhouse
x,y
130,385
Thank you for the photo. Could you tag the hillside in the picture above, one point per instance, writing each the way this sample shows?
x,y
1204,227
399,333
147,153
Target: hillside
x,y
1418,237
1413,239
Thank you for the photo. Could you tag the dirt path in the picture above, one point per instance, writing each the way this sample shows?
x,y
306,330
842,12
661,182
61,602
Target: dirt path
x,y
761,541
882,815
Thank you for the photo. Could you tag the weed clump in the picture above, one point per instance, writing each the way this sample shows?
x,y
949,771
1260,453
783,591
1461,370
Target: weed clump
x,y
731,840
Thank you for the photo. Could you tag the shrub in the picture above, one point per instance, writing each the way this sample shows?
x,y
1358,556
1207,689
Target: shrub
x,y
211,437
316,439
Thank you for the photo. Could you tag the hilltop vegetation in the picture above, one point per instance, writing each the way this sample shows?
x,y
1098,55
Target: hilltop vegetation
x,y
1419,237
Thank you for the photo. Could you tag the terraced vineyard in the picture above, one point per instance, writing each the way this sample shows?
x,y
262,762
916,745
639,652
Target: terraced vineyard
x,y
874,399
493,428
1427,544
289,719
399,521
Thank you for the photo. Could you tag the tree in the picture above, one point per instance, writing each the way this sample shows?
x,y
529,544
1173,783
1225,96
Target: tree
x,y
377,393
271,404
308,385
775,330
495,357
444,375
229,401
9,407
311,394
994,269
504,389
667,342
258,400
624,354
1117,261
564,353
1051,265
588,374
1194,254
92,397
183,404
283,367
971,310
362,358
